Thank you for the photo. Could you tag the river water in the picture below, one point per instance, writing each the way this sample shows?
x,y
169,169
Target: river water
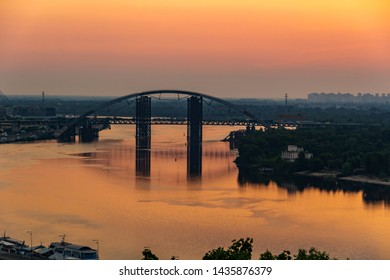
x,y
91,192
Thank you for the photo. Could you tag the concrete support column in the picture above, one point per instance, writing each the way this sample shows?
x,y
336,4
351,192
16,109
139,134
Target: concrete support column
x,y
143,135
68,136
194,136
88,134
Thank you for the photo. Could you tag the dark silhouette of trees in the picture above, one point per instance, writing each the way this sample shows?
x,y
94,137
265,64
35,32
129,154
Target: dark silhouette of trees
x,y
242,250
148,255
267,255
312,254
341,149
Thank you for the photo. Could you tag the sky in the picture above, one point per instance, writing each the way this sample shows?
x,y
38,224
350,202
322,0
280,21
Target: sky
x,y
229,48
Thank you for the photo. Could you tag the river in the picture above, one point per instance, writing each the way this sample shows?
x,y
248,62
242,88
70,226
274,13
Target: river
x,y
91,192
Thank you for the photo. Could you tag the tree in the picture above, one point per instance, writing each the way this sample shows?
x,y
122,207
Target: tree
x,y
313,254
301,163
267,255
316,164
148,255
346,169
285,255
240,250
365,148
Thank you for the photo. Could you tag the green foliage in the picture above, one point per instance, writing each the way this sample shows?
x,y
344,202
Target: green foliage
x,y
341,149
315,164
312,254
240,250
267,255
285,255
148,255
346,169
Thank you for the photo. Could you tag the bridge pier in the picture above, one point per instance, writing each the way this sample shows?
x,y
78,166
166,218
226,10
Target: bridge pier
x,y
143,135
68,136
194,136
88,134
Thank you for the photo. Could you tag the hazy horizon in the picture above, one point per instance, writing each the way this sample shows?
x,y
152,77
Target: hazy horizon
x,y
231,49
168,97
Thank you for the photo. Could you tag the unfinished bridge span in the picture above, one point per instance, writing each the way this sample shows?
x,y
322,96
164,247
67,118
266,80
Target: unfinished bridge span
x,y
143,121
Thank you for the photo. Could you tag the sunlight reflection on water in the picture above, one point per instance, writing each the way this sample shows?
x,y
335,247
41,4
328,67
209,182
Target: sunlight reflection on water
x,y
91,191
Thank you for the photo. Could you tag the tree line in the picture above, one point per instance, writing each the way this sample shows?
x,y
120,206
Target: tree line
x,y
242,250
347,150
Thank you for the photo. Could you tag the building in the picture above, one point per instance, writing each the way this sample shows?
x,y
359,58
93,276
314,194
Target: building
x,y
33,111
338,98
292,153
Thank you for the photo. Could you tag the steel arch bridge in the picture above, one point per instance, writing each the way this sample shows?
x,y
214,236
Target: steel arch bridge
x,y
143,123
80,120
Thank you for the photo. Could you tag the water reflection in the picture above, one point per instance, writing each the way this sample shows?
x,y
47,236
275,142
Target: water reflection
x,y
371,194
92,190
119,157
194,161
167,162
142,162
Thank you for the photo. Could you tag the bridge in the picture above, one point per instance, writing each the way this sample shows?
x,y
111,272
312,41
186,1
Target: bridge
x,y
101,120
143,108
87,126
143,121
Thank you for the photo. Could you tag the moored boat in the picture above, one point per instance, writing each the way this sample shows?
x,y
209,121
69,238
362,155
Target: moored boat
x,y
13,249
68,251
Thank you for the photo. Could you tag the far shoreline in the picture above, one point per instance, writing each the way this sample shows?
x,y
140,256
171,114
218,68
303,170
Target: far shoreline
x,y
363,179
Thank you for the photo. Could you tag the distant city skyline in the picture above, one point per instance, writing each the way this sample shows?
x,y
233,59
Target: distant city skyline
x,y
360,98
229,49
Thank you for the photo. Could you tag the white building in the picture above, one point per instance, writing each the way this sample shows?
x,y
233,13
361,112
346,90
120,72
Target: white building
x,y
292,153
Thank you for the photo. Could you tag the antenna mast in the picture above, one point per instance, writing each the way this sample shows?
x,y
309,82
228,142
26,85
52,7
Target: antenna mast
x,y
285,102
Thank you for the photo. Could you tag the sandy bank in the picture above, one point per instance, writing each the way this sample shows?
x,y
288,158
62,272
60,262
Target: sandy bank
x,y
353,178
365,180
324,175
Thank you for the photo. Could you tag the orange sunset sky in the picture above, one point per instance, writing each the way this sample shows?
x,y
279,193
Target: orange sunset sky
x,y
229,48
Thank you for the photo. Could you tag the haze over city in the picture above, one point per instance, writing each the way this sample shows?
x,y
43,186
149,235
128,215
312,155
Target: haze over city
x,y
246,48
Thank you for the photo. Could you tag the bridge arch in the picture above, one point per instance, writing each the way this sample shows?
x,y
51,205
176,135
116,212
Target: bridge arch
x,y
82,117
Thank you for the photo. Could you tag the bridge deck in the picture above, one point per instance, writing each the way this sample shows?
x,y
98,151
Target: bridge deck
x,y
168,121
124,121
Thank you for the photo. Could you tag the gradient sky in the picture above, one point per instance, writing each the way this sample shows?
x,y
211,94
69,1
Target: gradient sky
x,y
229,48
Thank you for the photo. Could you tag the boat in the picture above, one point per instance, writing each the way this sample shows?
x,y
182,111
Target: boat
x,y
68,251
13,249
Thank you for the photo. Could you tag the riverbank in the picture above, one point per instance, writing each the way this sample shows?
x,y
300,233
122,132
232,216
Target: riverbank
x,y
362,179
365,180
330,175
30,136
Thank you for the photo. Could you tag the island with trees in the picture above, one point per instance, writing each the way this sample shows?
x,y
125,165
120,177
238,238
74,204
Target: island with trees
x,y
338,151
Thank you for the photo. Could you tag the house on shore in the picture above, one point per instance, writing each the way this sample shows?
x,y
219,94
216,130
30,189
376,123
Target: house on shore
x,y
292,153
